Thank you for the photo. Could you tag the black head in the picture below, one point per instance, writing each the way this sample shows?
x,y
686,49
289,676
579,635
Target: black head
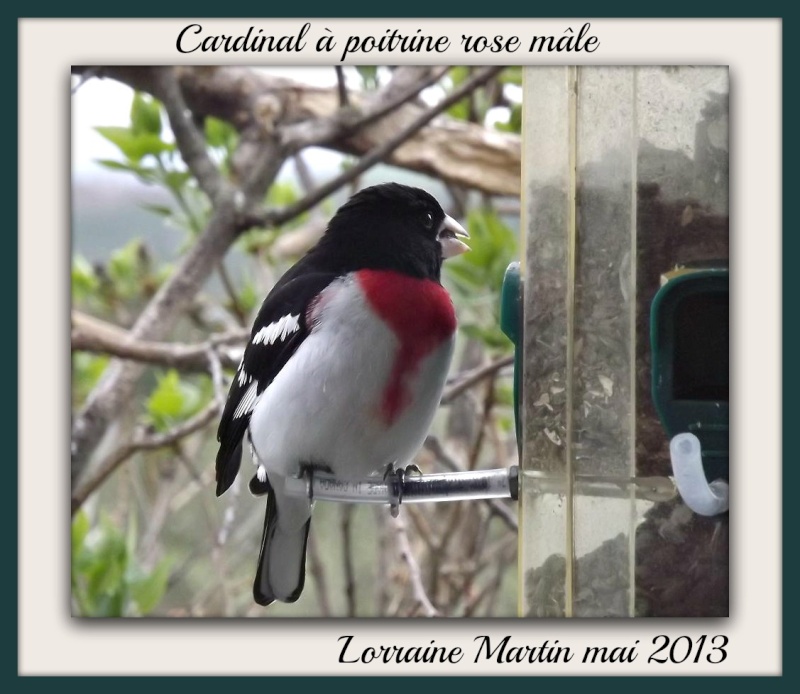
x,y
391,227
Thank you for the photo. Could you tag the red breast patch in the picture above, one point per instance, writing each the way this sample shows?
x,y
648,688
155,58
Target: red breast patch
x,y
420,313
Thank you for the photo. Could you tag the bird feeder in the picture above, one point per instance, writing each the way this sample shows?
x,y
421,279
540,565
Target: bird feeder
x,y
625,178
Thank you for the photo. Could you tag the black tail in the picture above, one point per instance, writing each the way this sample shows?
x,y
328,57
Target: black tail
x,y
228,462
281,572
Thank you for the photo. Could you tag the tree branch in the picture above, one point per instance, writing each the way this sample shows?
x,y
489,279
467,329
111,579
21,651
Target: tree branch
x,y
379,153
458,152
141,441
191,143
94,335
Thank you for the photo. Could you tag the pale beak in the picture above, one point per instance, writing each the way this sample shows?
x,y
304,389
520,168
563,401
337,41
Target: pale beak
x,y
449,233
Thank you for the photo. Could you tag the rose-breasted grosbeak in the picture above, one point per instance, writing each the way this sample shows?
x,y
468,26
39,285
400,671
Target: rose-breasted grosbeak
x,y
345,365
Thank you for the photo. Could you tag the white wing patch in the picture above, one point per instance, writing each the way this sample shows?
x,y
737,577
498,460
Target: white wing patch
x,y
248,401
279,330
276,331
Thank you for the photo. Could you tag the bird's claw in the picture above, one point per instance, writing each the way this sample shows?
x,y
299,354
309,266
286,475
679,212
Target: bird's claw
x,y
395,480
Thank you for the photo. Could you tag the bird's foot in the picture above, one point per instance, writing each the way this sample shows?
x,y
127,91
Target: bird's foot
x,y
395,480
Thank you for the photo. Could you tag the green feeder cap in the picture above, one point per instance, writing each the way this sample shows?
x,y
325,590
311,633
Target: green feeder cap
x,y
689,334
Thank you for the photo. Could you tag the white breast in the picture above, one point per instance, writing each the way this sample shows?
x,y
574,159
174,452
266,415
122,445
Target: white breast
x,y
325,405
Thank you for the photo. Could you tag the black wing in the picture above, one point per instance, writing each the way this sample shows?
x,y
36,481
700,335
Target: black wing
x,y
278,331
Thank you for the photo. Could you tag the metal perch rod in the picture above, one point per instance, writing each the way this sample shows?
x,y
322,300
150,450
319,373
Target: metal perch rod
x,y
413,489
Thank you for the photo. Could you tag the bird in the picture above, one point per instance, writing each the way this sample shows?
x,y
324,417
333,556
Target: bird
x,y
344,367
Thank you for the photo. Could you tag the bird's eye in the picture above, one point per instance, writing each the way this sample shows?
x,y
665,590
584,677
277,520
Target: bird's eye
x,y
428,220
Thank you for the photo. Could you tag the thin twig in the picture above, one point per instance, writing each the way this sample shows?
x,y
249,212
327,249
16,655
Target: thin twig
x,y
466,380
422,526
317,571
347,550
304,173
475,540
486,413
503,562
230,290
224,531
322,131
414,573
381,568
215,367
85,77
341,87
490,589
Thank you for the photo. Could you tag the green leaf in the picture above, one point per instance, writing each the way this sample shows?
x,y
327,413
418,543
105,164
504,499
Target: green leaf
x,y
163,273
504,394
219,133
466,275
248,297
145,114
161,210
120,136
166,402
173,400
146,173
107,581
109,561
256,240
134,146
493,245
281,194
458,74
514,123
84,280
125,268
86,371
369,76
115,165
505,422
477,276
459,110
491,337
511,75
80,528
148,590
176,180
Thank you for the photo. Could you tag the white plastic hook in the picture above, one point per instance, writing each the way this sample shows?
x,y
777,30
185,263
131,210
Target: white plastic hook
x,y
687,466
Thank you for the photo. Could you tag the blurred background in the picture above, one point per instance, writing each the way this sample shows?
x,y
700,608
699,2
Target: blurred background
x,y
193,190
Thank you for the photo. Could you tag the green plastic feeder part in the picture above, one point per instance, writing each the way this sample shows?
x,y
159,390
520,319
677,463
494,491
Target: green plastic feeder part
x,y
511,325
689,335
